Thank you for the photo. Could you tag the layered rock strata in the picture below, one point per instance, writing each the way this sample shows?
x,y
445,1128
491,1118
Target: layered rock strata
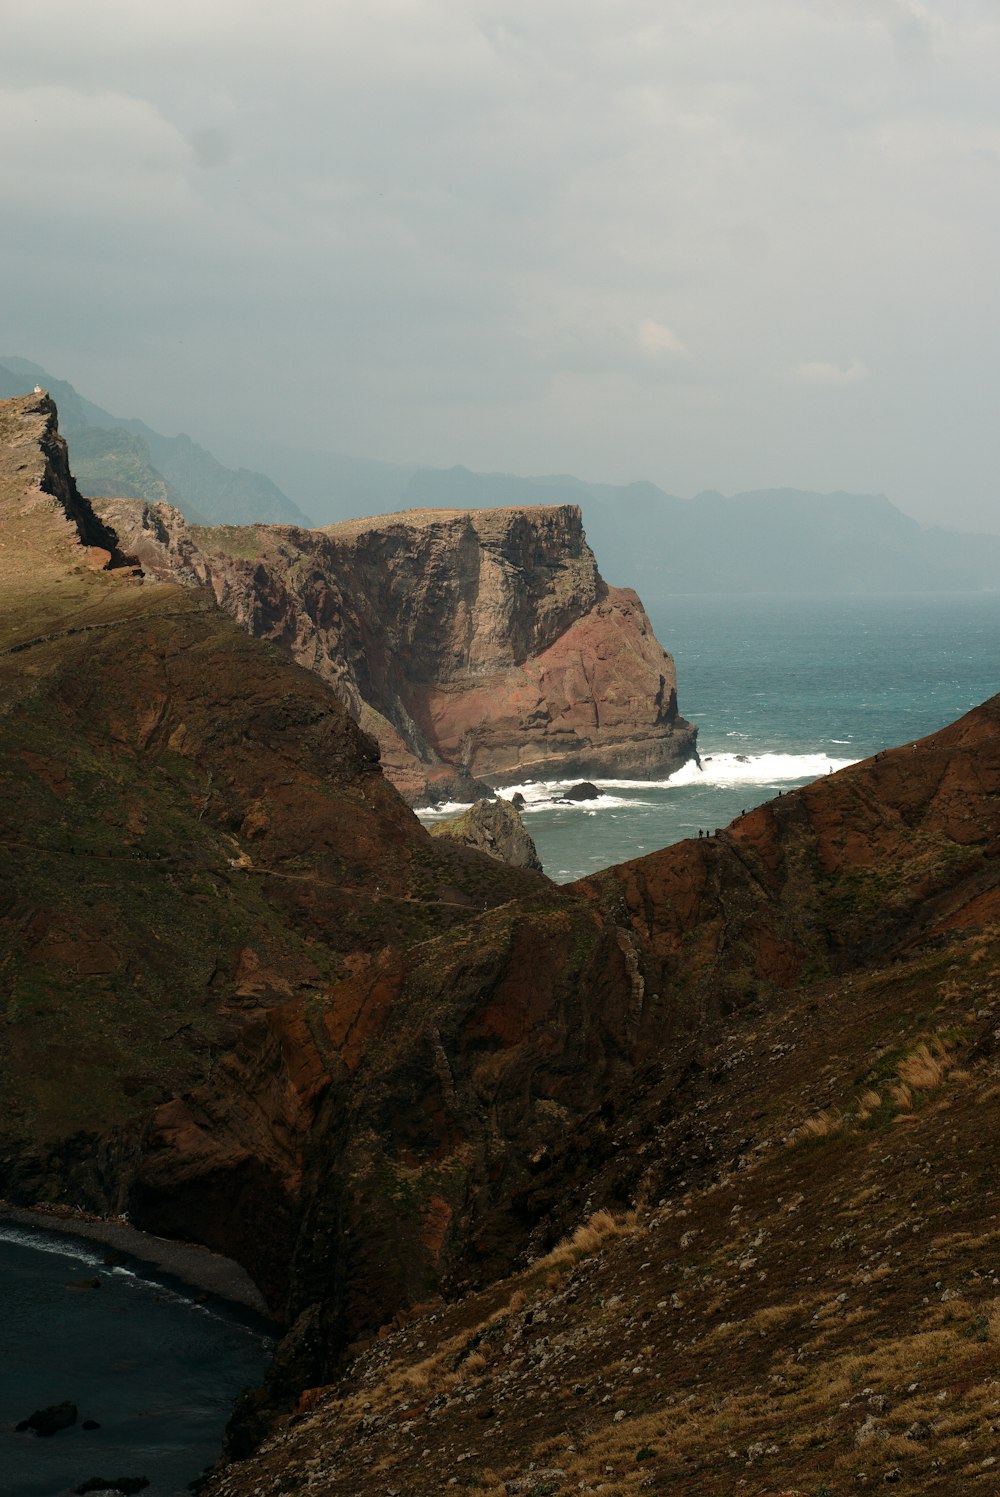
x,y
475,646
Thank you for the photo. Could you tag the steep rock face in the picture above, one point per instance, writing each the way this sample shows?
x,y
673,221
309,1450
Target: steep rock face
x,y
801,1275
477,645
470,1087
47,526
843,872
790,1067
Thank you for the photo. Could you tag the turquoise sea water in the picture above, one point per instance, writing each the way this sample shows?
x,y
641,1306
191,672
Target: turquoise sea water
x,y
158,1372
782,689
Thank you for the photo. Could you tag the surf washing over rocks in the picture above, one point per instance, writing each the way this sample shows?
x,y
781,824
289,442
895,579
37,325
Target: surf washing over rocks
x,y
783,691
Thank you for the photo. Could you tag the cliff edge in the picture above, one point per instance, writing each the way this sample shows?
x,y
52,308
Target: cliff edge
x,y
475,646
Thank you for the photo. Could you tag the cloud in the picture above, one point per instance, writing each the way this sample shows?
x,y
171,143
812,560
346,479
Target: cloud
x,y
656,338
88,152
522,236
818,372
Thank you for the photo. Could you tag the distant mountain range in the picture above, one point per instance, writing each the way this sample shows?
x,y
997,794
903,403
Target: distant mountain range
x,y
115,457
769,540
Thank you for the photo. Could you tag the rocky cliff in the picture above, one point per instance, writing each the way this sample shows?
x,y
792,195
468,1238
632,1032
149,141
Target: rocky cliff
x,y
474,646
744,1047
195,842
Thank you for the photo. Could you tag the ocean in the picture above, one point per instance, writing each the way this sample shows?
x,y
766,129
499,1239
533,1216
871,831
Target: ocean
x,y
783,690
157,1371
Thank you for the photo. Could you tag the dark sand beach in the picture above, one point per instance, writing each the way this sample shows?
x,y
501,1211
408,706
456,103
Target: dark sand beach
x,y
183,1262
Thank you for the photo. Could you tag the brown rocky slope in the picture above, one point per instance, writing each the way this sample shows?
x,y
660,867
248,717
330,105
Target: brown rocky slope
x,y
783,1085
473,645
197,842
380,1101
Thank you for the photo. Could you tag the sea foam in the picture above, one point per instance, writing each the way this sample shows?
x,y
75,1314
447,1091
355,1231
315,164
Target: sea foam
x,y
716,771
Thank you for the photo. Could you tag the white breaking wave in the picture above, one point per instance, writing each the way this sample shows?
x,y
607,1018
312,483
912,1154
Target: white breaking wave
x,y
548,795
718,771
446,808
57,1247
757,769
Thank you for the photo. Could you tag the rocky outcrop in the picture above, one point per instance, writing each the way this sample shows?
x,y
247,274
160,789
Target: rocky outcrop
x,y
473,645
48,525
494,827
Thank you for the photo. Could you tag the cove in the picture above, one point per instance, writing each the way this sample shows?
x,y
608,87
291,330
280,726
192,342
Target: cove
x,y
157,1370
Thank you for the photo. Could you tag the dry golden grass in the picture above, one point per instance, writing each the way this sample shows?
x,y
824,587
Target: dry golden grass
x,y
814,1395
587,1238
773,1315
925,1067
868,1103
820,1125
992,1316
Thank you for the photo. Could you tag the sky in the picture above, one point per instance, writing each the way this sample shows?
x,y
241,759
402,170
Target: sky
x,y
708,243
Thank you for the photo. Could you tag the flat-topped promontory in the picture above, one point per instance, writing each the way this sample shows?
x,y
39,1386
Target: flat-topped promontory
x,y
474,645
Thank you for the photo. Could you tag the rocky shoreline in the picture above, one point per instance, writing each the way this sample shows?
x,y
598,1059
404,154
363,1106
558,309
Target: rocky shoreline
x,y
158,1258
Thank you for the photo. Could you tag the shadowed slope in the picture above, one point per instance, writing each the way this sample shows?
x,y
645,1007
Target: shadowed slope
x,y
195,835
287,1025
668,1027
837,874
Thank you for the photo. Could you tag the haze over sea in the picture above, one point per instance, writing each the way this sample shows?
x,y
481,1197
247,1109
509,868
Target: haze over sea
x,y
783,689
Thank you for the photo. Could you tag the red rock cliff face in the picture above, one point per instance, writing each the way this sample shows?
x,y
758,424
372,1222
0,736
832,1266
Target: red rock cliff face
x,y
472,644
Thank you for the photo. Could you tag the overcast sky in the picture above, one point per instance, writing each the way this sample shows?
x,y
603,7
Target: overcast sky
x,y
711,243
